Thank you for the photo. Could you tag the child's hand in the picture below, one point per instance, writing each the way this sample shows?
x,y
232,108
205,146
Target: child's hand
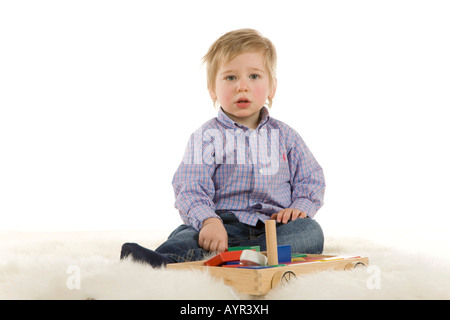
x,y
213,236
288,214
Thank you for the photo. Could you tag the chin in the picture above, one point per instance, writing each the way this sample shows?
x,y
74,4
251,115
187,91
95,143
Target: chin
x,y
244,113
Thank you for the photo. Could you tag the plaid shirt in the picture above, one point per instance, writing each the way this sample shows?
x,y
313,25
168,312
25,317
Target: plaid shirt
x,y
252,173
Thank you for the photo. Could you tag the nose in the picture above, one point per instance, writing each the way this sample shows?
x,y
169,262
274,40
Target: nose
x,y
242,86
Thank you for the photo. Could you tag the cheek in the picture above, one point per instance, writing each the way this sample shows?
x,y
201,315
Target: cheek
x,y
225,94
261,92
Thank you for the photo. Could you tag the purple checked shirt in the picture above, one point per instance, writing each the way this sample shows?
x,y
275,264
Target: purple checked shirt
x,y
252,173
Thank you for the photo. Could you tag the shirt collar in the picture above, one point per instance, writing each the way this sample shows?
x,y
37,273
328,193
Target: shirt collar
x,y
227,122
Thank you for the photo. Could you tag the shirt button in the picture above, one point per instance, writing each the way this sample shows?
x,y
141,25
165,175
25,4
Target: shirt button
x,y
261,171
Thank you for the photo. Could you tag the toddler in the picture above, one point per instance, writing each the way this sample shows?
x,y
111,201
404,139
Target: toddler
x,y
242,167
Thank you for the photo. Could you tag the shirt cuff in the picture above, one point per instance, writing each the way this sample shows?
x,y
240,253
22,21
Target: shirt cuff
x,y
199,214
304,205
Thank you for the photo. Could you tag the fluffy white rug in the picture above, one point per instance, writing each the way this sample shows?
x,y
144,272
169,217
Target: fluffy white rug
x,y
85,265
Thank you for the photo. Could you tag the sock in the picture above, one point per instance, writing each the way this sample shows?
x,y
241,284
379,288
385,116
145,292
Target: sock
x,y
141,254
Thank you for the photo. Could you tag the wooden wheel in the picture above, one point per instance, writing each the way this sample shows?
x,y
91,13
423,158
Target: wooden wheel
x,y
282,277
354,265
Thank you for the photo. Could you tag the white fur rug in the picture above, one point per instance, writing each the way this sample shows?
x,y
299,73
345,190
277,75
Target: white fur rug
x,y
85,265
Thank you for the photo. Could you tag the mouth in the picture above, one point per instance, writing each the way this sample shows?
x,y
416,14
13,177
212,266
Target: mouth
x,y
243,103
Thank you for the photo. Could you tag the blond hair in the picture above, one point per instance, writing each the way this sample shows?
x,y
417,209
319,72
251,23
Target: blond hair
x,y
233,43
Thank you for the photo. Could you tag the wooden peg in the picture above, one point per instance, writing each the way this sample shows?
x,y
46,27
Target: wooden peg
x,y
271,242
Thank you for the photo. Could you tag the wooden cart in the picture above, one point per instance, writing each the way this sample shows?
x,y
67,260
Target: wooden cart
x,y
261,281
258,281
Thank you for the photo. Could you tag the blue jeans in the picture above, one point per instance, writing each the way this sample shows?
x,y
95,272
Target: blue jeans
x,y
304,236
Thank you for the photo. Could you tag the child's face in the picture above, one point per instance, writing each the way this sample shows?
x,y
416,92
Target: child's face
x,y
242,88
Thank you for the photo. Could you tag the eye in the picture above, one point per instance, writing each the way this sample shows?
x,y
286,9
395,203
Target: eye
x,y
254,76
230,78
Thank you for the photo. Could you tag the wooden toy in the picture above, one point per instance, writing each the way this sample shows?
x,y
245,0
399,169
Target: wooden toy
x,y
284,254
249,257
223,257
255,248
271,242
259,279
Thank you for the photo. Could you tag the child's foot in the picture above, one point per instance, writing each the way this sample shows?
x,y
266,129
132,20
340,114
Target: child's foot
x,y
141,254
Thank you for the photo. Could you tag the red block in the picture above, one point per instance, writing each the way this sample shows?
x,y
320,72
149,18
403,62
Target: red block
x,y
223,257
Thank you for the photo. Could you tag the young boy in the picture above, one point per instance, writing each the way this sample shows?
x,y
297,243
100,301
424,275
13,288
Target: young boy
x,y
242,167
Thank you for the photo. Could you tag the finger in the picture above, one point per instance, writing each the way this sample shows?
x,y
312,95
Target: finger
x,y
213,246
295,214
221,247
303,215
200,240
273,216
225,242
280,215
287,215
205,245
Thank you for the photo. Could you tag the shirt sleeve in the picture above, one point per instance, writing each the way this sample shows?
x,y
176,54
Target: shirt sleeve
x,y
307,179
193,185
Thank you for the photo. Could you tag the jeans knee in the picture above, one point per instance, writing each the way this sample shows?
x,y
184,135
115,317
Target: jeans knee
x,y
316,228
316,236
305,236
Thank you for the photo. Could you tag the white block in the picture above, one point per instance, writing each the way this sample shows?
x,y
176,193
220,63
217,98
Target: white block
x,y
250,257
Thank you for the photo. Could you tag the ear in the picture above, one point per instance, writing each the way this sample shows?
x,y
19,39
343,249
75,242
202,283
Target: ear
x,y
212,94
273,90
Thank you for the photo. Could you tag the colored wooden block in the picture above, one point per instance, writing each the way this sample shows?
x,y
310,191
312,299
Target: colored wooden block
x,y
261,267
298,259
284,253
223,257
230,266
255,248
250,257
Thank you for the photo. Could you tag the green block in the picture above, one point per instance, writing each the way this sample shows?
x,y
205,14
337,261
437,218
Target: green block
x,y
262,267
256,248
298,255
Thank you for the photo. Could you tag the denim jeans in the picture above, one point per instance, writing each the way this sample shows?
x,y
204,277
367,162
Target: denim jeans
x,y
304,236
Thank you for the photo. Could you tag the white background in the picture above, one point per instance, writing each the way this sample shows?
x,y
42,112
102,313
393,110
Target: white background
x,y
99,98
